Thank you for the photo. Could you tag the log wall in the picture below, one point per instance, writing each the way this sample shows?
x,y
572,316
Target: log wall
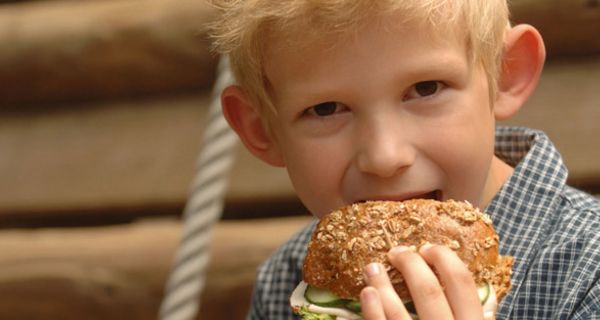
x,y
87,50
569,27
101,100
118,272
102,106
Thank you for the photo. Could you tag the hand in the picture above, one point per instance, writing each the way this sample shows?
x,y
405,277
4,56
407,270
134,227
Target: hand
x,y
452,296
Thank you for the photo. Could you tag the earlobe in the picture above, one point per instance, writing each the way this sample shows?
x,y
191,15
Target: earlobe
x,y
247,122
522,63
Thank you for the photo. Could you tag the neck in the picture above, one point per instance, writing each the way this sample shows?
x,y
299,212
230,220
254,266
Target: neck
x,y
500,171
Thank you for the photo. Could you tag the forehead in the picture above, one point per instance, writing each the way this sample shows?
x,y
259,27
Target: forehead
x,y
374,49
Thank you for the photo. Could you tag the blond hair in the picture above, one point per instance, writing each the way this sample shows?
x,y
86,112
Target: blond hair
x,y
246,27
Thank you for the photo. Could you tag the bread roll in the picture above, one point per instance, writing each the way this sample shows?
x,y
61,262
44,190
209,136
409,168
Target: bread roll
x,y
348,239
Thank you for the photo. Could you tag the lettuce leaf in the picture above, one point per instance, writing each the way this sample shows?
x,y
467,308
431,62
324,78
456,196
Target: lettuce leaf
x,y
307,315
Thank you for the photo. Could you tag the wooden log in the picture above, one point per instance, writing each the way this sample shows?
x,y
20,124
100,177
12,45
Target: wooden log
x,y
139,156
569,27
119,272
69,50
82,50
108,159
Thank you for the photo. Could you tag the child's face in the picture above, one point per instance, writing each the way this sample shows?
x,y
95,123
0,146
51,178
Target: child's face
x,y
390,114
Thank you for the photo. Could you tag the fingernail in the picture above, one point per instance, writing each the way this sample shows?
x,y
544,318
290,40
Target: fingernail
x,y
398,250
372,269
425,246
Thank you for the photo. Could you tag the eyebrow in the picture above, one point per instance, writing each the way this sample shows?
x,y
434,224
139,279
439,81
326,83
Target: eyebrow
x,y
447,67
434,67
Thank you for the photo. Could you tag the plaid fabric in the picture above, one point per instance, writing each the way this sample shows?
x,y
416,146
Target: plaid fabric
x,y
551,229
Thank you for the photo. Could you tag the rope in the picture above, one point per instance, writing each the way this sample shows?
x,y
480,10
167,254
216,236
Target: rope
x,y
203,209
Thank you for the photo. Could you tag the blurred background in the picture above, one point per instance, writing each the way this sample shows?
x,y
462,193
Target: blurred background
x,y
102,110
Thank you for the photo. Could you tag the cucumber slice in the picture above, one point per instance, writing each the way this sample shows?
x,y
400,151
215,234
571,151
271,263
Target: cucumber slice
x,y
353,306
483,292
323,297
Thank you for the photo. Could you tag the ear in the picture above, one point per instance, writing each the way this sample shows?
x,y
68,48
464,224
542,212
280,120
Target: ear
x,y
522,63
247,122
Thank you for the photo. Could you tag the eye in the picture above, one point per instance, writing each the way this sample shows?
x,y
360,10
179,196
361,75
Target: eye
x,y
424,89
325,109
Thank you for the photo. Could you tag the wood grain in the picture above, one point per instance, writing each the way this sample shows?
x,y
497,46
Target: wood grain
x,y
119,272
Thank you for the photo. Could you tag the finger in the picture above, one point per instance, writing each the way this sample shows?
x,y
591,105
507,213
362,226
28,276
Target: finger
x,y
377,278
457,280
370,303
425,289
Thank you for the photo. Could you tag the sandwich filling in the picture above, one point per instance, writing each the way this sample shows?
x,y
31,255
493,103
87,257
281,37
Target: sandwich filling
x,y
313,303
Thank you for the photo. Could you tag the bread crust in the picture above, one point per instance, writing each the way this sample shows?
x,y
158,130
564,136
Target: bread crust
x,y
348,239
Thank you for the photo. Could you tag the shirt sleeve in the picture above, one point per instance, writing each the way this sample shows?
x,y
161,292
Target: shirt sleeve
x,y
256,309
277,277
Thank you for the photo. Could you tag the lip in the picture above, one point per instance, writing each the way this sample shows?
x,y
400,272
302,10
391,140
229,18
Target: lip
x,y
433,195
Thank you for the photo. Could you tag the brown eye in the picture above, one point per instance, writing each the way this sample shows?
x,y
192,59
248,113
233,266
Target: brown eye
x,y
325,108
426,88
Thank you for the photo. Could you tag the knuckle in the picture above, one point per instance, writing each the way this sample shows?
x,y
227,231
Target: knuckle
x,y
430,291
463,277
397,314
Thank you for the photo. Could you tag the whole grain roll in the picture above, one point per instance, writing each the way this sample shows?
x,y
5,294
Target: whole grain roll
x,y
348,239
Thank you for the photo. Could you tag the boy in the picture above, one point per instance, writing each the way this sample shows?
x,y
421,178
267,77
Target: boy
x,y
392,100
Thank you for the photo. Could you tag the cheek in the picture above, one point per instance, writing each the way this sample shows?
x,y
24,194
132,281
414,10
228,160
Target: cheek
x,y
316,171
463,149
470,163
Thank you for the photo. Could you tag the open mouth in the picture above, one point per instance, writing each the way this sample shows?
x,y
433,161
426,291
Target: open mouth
x,y
433,195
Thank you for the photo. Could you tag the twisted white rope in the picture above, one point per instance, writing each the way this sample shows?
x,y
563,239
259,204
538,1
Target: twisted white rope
x,y
203,209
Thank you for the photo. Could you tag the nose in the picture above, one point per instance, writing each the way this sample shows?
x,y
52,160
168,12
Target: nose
x,y
385,151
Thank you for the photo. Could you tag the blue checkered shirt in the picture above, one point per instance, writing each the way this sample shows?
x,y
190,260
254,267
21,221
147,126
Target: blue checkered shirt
x,y
551,229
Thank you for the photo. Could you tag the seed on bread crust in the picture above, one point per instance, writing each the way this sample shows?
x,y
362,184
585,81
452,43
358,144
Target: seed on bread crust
x,y
348,239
